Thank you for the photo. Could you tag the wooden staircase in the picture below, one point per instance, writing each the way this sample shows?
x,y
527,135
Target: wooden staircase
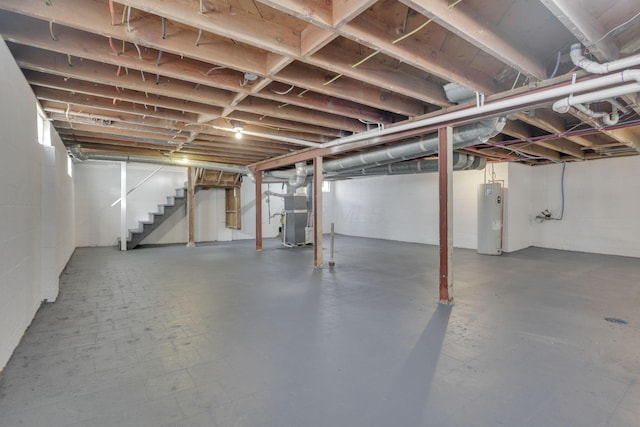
x,y
204,179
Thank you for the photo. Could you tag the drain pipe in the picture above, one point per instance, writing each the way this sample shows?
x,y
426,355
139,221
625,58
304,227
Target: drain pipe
x,y
590,66
563,105
79,154
608,119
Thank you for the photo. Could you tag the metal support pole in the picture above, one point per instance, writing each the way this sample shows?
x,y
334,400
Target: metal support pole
x,y
258,211
445,172
331,261
123,206
317,212
191,217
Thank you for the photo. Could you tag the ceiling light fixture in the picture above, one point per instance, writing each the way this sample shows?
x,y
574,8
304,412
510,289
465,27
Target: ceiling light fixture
x,y
238,128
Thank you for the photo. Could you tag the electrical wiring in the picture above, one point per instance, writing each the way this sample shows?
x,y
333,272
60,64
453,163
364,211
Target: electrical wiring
x,y
545,215
128,19
555,69
615,29
139,53
113,48
284,92
332,80
113,13
53,37
564,166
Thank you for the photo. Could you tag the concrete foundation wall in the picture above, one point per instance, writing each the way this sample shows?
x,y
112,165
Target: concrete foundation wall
x,y
36,233
602,200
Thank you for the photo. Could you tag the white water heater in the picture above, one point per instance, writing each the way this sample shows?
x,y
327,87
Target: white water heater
x,y
490,200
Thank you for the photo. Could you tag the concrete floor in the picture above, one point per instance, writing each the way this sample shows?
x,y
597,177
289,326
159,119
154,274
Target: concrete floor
x,y
221,335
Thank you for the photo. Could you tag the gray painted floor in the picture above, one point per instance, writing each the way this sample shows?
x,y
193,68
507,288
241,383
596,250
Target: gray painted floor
x,y
221,335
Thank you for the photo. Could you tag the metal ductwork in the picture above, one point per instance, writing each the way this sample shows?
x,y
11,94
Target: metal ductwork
x,y
461,162
300,176
77,153
463,136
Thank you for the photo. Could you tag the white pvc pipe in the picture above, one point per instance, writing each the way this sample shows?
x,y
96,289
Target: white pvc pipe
x,y
597,68
499,106
563,105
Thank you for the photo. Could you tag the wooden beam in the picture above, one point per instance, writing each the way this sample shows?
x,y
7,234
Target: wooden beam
x,y
344,11
221,19
90,18
445,180
79,44
302,75
553,123
538,151
460,20
317,212
105,104
376,35
89,71
382,75
587,28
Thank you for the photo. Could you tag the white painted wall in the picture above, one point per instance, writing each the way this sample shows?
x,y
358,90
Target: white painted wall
x,y
602,201
36,233
248,203
517,214
405,207
98,223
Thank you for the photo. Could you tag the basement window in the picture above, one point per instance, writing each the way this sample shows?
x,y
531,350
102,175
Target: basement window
x,y
326,186
43,128
69,167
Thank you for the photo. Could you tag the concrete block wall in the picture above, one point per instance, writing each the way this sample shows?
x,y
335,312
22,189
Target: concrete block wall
x,y
36,198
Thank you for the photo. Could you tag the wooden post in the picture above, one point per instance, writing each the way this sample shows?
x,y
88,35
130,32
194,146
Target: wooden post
x,y
317,212
191,216
445,172
258,211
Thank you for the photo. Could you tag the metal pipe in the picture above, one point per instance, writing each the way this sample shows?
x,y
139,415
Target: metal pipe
x,y
497,107
118,157
332,263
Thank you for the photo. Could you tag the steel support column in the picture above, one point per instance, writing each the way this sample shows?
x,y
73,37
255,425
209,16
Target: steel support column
x,y
191,206
123,206
258,211
445,172
317,212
